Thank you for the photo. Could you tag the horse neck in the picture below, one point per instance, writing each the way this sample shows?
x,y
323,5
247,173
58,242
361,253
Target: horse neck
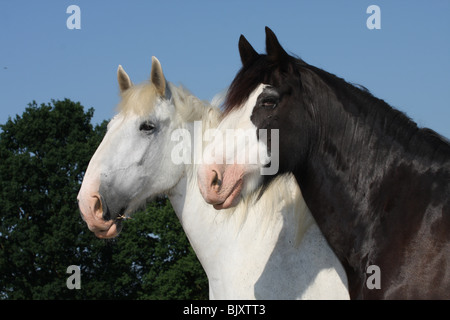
x,y
199,220
185,196
359,142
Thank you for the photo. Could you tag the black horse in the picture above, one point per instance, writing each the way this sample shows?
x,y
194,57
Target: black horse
x,y
377,185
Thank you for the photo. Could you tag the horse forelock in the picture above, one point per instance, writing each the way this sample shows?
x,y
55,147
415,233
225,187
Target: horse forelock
x,y
139,99
263,70
142,99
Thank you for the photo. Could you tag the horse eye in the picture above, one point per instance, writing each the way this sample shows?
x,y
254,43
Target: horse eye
x,y
147,126
269,103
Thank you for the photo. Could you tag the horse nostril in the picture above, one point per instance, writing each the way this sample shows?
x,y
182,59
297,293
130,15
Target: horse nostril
x,y
216,181
98,208
101,209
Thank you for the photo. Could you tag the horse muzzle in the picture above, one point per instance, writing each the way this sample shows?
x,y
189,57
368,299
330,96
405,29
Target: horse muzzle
x,y
97,216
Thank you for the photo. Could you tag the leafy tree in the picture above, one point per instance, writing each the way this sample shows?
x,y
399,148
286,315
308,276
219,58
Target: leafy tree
x,y
168,268
43,156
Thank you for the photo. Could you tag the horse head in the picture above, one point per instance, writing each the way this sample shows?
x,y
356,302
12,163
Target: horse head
x,y
125,170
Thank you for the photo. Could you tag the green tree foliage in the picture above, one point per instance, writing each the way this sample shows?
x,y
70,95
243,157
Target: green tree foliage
x,y
43,156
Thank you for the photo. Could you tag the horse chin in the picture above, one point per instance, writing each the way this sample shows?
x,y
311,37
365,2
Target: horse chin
x,y
111,232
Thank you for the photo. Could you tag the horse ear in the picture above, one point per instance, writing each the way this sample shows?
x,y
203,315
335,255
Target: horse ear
x,y
274,50
246,51
157,77
123,79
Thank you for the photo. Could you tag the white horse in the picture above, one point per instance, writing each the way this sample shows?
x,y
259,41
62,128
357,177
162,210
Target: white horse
x,y
268,248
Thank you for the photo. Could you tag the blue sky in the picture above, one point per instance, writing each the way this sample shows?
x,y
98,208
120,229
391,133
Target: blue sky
x,y
406,62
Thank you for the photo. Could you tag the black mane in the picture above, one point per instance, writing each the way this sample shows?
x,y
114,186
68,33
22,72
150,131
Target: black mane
x,y
396,123
356,99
